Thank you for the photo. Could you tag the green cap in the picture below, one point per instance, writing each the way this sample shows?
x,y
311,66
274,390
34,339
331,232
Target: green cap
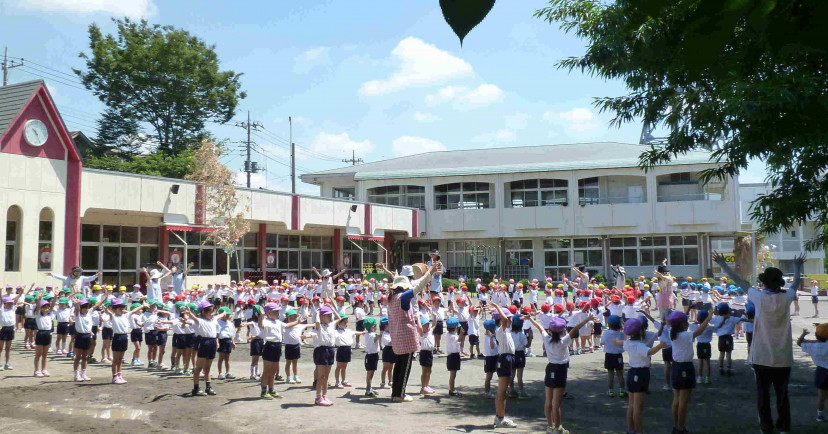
x,y
224,309
29,298
134,305
343,316
369,322
92,300
107,303
63,300
192,307
66,290
257,308
180,305
78,296
48,297
290,312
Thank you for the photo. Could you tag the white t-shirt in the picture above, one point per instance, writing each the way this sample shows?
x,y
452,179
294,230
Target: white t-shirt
x,y
505,344
6,317
638,353
706,336
474,326
207,328
45,322
293,335
83,323
359,313
149,320
371,347
452,343
606,340
818,352
120,324
385,339
683,347
272,330
344,338
63,314
226,329
488,343
427,341
325,335
724,328
556,352
520,340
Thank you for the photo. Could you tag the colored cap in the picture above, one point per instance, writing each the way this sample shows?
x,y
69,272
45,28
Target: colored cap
x,y
7,299
134,306
63,300
224,309
516,320
722,308
342,316
423,321
452,322
271,306
489,325
614,321
675,318
557,325
92,300
44,303
325,310
116,302
702,315
290,312
369,322
384,320
205,305
633,326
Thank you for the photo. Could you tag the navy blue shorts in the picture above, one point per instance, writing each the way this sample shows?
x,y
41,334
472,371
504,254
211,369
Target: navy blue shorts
x,y
683,376
71,329
821,378
120,342
237,323
195,341
465,326
556,374
161,338
43,338
30,324
63,328
725,343
520,359
667,354
814,299
638,380
703,350
613,361
388,355
83,341
225,345
256,347
136,336
324,356
207,348
490,364
292,351
453,362
426,358
438,328
94,333
106,333
343,354
360,325
371,361
505,365
151,337
474,340
184,341
272,352
7,333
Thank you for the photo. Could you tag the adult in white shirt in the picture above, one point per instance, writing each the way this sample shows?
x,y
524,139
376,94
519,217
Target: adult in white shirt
x,y
154,277
75,281
327,278
771,351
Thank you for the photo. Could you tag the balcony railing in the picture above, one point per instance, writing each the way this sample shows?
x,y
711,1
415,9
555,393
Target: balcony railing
x,y
609,200
689,197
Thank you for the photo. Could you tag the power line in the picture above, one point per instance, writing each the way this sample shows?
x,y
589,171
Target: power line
x,y
74,76
37,74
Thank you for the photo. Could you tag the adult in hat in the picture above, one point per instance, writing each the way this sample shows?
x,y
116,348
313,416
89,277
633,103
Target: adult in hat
x,y
402,324
327,277
154,276
771,351
436,285
178,274
75,280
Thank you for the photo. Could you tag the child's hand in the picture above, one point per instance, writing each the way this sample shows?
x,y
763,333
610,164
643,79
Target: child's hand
x,y
804,333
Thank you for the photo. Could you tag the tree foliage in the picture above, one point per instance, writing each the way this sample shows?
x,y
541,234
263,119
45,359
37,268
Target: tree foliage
x,y
157,164
161,76
745,79
120,134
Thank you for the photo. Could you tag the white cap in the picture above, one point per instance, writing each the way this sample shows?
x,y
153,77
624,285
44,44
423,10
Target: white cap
x,y
407,271
326,272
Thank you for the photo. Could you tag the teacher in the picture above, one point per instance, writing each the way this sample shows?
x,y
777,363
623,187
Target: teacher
x,y
402,323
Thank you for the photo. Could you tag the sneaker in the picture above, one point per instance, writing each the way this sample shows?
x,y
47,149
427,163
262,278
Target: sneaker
x,y
28,346
426,391
297,379
45,373
38,374
611,394
77,376
561,430
265,395
279,378
504,423
188,372
274,394
8,367
92,360
666,387
121,379
221,377
84,377
138,362
821,418
162,366
230,377
513,394
179,371
381,386
210,391
338,386
490,395
530,354
199,393
464,354
346,384
69,354
290,380
322,402
135,363
622,394
405,398
455,394
550,430
115,379
371,394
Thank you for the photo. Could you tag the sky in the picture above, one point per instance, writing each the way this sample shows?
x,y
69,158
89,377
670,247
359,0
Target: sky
x,y
374,79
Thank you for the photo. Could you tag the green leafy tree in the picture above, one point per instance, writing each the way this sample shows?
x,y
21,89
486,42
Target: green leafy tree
x,y
120,133
156,164
161,76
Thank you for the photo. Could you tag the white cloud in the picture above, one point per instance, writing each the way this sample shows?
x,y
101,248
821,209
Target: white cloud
x,y
499,136
410,145
335,144
310,59
517,121
425,117
420,64
463,97
577,119
119,8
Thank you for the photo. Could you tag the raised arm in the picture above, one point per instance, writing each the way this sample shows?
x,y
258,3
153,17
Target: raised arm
x,y
799,262
574,331
319,276
719,259
92,278
338,275
703,326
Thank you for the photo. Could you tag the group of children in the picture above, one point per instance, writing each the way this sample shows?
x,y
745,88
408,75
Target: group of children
x,y
575,318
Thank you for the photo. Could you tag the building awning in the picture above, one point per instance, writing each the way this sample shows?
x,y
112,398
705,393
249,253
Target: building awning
x,y
365,237
190,228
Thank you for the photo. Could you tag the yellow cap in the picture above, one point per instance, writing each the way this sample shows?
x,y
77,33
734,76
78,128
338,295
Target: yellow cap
x,y
96,287
122,289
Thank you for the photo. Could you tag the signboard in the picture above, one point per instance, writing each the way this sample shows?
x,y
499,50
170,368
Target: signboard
x,y
44,255
176,256
271,259
346,260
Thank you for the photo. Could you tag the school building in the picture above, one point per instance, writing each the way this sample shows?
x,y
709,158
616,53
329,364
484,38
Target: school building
x,y
59,214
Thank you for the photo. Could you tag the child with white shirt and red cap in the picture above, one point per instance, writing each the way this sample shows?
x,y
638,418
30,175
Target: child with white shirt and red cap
x,y
818,350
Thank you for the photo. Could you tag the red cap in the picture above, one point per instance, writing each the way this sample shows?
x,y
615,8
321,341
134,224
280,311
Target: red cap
x,y
570,305
358,298
340,298
315,298
251,301
630,300
559,308
472,309
526,310
239,289
558,292
578,292
583,304
599,293
420,301
179,298
436,298
285,298
545,307
327,300
451,288
460,300
240,301
513,309
548,292
383,297
615,299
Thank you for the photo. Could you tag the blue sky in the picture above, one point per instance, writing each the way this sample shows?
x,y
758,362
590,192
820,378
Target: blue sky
x,y
381,78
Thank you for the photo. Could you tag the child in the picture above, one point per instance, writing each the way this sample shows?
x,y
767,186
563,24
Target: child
x,y
371,355
426,355
106,333
359,314
7,321
62,315
324,352
613,355
29,323
527,330
505,364
207,331
344,342
120,339
684,375
272,330
460,310
226,332
149,319
439,315
818,350
293,341
83,338
489,355
136,336
638,377
724,325
388,356
453,354
43,339
703,350
557,342
520,340
750,313
474,332
256,341
162,327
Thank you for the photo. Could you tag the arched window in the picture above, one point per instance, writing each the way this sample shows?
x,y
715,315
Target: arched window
x,y
14,217
465,195
44,240
537,192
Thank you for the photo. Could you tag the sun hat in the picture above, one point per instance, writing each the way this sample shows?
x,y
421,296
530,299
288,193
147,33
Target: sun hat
x,y
63,300
224,309
526,310
513,309
92,300
495,315
633,326
772,277
675,318
557,325
401,282
44,303
134,306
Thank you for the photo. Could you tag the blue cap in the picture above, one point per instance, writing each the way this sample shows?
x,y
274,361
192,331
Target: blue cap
x,y
684,285
452,323
424,321
517,321
384,320
489,325
614,321
722,308
750,308
702,315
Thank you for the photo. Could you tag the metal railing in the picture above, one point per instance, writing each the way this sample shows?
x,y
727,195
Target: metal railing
x,y
689,197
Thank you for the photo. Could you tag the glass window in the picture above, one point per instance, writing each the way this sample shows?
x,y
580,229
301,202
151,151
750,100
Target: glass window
x,y
623,251
251,239
44,240
13,218
91,233
468,195
271,241
111,257
129,235
251,259
175,237
589,191
89,257
149,255
129,256
149,235
111,234
534,192
193,238
348,193
405,195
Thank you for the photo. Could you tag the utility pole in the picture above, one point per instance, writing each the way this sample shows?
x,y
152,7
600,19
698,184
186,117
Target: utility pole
x,y
249,166
292,158
353,160
8,65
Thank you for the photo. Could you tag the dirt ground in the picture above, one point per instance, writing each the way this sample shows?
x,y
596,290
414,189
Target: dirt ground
x,y
158,401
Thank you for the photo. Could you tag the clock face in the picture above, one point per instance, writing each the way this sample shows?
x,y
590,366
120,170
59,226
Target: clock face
x,y
35,132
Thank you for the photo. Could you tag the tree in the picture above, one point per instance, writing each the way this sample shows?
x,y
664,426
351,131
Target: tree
x,y
219,201
120,133
157,164
747,80
161,76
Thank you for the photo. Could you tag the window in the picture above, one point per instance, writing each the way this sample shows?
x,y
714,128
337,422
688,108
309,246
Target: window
x,y
679,250
790,241
471,258
13,218
653,250
588,252
538,192
363,260
557,254
44,240
684,250
465,195
589,191
299,254
624,251
519,258
412,196
348,193
118,251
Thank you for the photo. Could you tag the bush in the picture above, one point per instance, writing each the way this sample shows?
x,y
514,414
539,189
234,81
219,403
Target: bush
x,y
525,283
450,282
600,278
